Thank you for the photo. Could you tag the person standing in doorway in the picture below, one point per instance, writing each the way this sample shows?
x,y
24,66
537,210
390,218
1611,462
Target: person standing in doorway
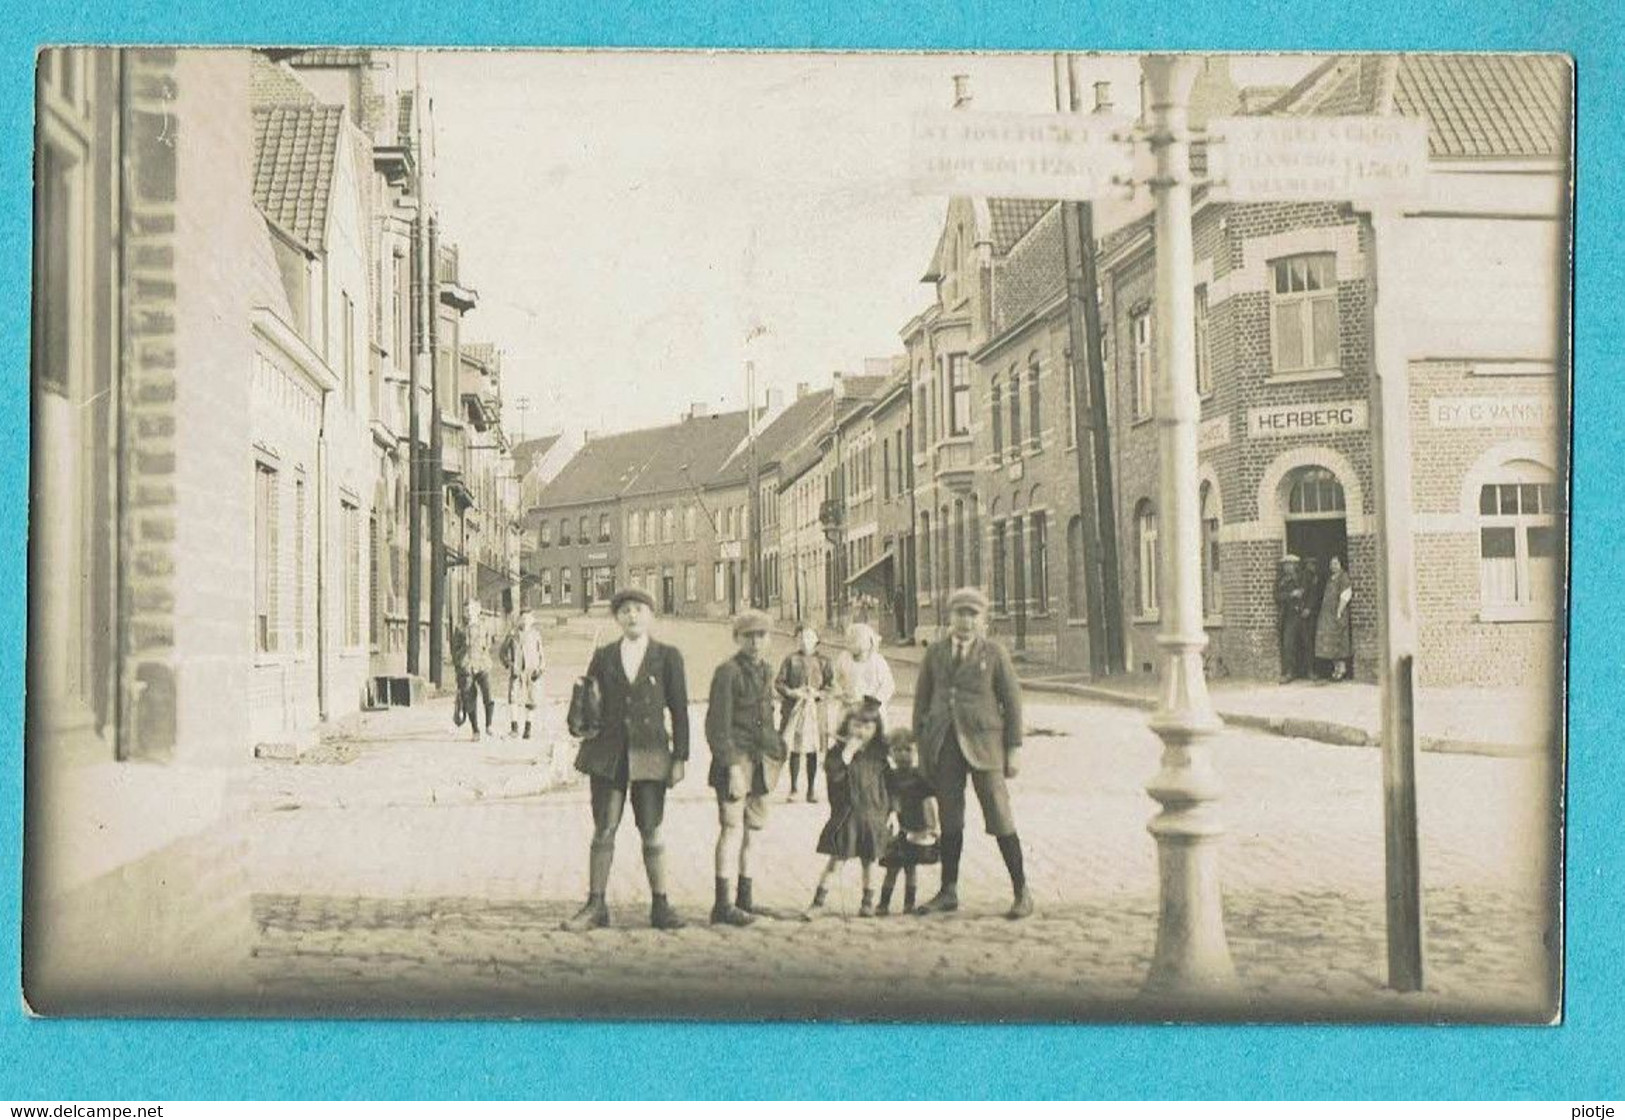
x,y
746,756
1289,604
639,753
1334,636
471,659
1310,612
523,657
967,720
803,683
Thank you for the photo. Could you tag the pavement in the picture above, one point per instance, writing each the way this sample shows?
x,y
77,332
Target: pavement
x,y
411,871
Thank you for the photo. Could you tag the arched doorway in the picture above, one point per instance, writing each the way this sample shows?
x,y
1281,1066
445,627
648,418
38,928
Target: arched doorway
x,y
1316,516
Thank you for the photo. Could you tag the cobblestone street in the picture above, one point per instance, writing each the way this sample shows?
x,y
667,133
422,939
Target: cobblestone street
x,y
454,908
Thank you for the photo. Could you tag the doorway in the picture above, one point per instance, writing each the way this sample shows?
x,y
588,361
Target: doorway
x,y
668,593
1316,520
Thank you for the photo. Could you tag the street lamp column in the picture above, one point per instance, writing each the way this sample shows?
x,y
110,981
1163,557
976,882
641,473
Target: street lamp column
x,y
1192,958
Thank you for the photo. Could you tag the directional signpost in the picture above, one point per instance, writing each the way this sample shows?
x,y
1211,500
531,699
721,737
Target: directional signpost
x,y
1378,164
1019,155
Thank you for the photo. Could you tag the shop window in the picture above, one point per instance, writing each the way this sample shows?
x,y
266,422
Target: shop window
x,y
1212,594
1303,313
1145,363
1149,551
1204,356
1518,542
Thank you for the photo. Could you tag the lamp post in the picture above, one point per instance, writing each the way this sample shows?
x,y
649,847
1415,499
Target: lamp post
x,y
1192,959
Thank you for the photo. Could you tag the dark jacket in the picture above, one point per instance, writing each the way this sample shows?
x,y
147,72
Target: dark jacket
x,y
634,715
739,722
980,701
799,670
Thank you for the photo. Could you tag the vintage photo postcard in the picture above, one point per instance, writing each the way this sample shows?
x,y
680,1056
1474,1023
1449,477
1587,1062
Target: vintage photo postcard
x,y
767,535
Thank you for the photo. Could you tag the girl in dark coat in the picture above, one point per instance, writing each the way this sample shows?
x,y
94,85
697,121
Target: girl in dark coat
x,y
916,837
859,803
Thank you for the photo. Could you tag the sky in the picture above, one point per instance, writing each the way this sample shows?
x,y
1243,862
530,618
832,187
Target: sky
x,y
628,219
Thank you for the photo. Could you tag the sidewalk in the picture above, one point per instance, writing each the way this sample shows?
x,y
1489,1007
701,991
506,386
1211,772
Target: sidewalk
x,y
417,756
1500,722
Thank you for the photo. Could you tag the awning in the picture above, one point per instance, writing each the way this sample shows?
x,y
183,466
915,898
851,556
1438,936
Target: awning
x,y
876,577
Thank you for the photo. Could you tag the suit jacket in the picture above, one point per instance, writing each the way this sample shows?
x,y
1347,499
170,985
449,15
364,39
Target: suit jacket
x,y
634,715
980,701
739,723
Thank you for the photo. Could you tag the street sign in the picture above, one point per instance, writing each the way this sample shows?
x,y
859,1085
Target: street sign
x,y
1018,155
1364,160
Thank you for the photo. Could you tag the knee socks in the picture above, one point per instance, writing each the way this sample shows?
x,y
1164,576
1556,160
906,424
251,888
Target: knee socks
x,y
600,857
1010,849
795,771
953,843
812,771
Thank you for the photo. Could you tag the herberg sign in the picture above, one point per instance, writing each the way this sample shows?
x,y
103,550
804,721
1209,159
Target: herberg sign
x,y
1306,419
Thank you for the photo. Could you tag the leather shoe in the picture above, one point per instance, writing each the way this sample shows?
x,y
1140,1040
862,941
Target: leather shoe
x,y
663,915
730,915
943,902
1022,907
594,915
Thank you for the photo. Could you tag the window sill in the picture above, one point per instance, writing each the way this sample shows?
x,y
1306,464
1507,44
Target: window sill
x,y
1141,421
1303,376
1516,614
1147,619
1077,623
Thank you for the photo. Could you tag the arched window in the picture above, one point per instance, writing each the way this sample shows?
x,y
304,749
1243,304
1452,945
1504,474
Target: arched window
x,y
1517,540
1076,593
1212,591
944,558
1015,412
1035,406
584,525
1149,552
1315,491
1038,549
996,412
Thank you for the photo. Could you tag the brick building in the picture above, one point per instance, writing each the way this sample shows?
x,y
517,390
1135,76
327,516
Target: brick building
x,y
891,577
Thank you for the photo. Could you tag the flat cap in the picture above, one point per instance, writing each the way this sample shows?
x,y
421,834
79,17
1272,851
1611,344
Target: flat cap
x,y
630,595
968,599
752,622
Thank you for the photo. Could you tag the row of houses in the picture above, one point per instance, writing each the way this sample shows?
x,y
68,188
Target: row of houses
x,y
228,309
955,462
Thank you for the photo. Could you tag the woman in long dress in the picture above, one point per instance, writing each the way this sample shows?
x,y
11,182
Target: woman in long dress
x,y
861,671
1334,637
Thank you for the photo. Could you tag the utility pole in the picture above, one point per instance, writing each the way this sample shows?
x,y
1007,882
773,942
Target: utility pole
x,y
437,495
753,509
420,366
1191,961
521,405
1091,429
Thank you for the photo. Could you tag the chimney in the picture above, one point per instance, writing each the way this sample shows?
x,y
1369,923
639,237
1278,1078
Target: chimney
x,y
588,435
1103,97
775,401
696,410
802,389
837,382
961,91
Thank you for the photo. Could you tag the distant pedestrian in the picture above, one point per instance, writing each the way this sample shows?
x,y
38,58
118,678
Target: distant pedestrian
x,y
1334,637
915,825
523,657
803,685
859,804
967,719
471,659
747,754
640,751
1289,606
861,671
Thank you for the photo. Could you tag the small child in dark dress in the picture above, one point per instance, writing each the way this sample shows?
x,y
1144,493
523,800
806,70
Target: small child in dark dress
x,y
914,813
859,804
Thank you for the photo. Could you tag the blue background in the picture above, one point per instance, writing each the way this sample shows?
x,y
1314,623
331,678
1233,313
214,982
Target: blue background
x,y
1581,1059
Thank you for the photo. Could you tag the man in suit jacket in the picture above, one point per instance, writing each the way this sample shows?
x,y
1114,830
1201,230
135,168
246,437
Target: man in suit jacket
x,y
967,721
747,753
634,756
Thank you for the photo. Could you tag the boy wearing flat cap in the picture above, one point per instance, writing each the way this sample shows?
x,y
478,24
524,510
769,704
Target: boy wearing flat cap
x,y
636,755
967,722
747,753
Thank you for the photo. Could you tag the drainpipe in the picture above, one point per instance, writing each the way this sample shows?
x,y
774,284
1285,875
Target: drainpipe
x,y
321,558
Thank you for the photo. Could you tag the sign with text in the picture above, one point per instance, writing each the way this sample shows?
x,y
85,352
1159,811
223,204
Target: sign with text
x,y
1493,412
1018,155
1364,160
731,550
1306,419
1213,433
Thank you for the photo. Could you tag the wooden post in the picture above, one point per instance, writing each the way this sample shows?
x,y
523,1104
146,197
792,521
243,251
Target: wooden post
x,y
1396,596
